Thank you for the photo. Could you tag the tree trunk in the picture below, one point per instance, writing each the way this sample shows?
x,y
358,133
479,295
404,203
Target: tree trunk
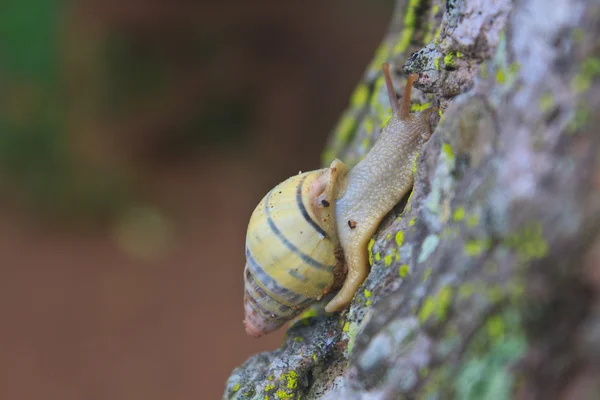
x,y
485,283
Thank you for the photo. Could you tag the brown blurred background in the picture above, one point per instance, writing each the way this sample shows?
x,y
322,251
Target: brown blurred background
x,y
136,137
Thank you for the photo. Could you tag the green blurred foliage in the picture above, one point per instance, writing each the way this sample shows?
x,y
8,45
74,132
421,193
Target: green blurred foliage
x,y
37,167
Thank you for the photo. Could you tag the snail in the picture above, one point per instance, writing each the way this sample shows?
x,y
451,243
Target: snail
x,y
313,229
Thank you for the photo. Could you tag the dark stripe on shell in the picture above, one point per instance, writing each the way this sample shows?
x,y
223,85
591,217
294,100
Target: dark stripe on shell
x,y
305,258
285,314
260,275
303,209
297,275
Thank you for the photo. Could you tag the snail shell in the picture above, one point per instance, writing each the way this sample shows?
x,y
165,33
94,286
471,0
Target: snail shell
x,y
293,255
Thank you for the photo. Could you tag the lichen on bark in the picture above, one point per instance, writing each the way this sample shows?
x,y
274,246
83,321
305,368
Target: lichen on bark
x,y
484,283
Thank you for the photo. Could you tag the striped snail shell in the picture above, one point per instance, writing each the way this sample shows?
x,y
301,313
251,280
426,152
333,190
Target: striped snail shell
x,y
293,256
312,228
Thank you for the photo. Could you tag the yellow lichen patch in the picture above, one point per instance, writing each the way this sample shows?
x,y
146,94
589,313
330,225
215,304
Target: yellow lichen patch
x,y
368,295
546,102
360,95
346,327
314,357
385,121
381,55
466,290
269,387
483,70
436,63
449,60
298,339
448,151
403,270
365,144
345,128
292,379
399,238
459,214
236,387
388,236
473,220
412,221
436,36
282,394
495,328
427,273
311,312
420,107
387,260
370,251
409,27
529,243
436,305
500,77
368,124
476,247
415,166
378,256
582,81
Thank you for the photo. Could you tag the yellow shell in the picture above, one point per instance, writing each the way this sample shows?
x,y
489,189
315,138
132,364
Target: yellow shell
x,y
292,250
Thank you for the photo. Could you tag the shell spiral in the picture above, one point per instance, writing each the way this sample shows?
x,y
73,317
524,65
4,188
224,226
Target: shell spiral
x,y
292,250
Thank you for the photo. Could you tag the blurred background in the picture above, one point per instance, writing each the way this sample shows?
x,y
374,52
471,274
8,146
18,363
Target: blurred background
x,y
136,137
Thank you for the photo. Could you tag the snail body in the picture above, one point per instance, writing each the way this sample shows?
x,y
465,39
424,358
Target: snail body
x,y
312,228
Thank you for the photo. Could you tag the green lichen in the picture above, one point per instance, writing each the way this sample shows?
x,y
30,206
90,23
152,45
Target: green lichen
x,y
346,327
427,273
589,69
487,372
387,260
483,70
465,291
368,125
580,118
436,305
269,387
473,220
360,96
412,221
449,60
403,270
370,251
351,332
436,63
236,387
408,29
420,107
365,144
282,394
500,77
459,214
447,149
546,102
528,243
378,256
476,247
399,238
292,379
495,328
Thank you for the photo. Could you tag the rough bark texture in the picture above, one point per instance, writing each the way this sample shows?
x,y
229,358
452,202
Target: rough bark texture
x,y
485,283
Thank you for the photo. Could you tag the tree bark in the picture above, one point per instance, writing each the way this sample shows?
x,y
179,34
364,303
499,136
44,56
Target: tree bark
x,y
484,283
